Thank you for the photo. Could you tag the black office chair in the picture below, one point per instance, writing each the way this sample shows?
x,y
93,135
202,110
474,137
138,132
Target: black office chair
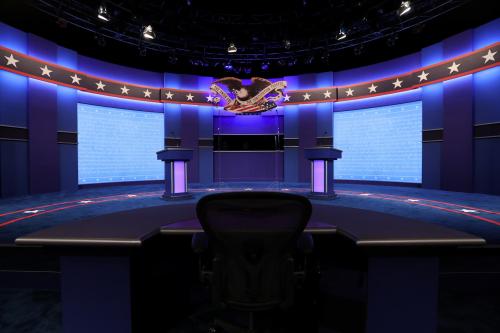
x,y
252,239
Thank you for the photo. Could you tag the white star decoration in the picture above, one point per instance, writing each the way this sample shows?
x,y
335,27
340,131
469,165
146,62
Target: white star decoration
x,y
11,60
210,98
327,94
306,97
189,97
169,95
100,85
423,76
397,83
349,92
372,88
75,79
454,67
46,71
286,98
147,93
125,90
489,56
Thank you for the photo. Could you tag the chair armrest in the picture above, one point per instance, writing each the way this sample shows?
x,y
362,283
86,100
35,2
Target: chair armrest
x,y
199,242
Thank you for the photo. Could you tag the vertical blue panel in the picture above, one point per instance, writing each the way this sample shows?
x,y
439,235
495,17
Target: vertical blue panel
x,y
380,144
13,112
119,73
377,71
431,165
486,96
324,119
13,99
13,38
487,34
117,145
432,118
487,165
13,168
291,130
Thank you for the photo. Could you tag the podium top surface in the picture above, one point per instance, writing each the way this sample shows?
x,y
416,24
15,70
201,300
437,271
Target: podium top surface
x,y
322,153
175,154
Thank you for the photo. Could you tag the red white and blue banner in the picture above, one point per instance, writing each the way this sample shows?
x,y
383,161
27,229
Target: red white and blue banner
x,y
261,94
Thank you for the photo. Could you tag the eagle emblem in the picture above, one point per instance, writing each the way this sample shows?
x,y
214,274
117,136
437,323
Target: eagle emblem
x,y
259,96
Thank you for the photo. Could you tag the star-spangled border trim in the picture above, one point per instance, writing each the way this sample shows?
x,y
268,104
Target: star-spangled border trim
x,y
469,63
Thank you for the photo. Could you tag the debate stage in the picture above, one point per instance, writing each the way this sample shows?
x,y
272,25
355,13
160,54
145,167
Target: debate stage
x,y
366,232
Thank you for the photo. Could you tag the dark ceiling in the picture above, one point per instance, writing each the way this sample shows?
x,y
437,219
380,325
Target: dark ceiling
x,y
192,36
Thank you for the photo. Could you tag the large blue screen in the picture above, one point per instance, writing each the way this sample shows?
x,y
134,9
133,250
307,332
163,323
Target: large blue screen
x,y
117,145
380,144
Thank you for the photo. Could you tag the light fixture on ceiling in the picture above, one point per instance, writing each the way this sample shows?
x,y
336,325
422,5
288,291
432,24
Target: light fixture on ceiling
x,y
341,34
405,8
148,32
232,48
102,13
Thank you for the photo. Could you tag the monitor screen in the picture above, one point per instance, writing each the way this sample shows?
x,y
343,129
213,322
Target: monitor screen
x,y
117,145
380,144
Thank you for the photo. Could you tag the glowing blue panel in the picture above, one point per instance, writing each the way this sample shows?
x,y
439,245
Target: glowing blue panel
x,y
117,145
380,144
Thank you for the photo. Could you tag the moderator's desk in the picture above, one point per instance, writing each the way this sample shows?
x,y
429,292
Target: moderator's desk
x,y
97,255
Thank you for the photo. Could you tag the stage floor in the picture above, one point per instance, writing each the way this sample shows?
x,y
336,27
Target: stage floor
x,y
478,214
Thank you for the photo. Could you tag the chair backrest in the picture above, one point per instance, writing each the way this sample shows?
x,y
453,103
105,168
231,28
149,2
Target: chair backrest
x,y
253,236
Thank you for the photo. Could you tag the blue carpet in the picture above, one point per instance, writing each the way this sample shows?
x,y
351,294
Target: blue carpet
x,y
23,215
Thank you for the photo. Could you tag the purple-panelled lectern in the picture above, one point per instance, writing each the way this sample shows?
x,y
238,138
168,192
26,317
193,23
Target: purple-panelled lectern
x,y
322,170
175,172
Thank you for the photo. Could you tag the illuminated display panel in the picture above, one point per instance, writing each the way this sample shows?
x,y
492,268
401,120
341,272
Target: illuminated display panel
x,y
117,145
380,144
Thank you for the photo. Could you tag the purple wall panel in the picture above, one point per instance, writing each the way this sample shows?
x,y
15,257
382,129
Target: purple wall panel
x,y
43,149
189,135
487,164
457,154
13,168
376,71
120,73
251,124
248,166
307,135
42,124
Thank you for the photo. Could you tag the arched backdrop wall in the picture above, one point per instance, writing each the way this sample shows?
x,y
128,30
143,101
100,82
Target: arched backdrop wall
x,y
38,124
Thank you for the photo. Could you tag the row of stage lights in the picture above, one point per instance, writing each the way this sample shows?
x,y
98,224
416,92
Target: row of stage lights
x,y
149,33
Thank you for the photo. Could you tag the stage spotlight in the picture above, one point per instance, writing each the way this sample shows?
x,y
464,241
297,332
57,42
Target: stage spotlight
x,y
102,13
341,34
287,44
232,48
405,8
265,66
148,32
228,66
